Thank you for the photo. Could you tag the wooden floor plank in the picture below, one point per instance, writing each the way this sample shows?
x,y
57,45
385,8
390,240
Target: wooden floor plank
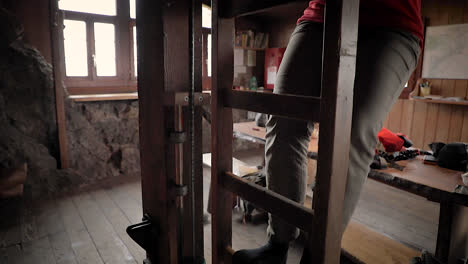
x,y
10,254
62,249
109,245
28,222
48,219
37,251
135,190
383,208
371,247
132,209
81,242
11,225
402,202
119,222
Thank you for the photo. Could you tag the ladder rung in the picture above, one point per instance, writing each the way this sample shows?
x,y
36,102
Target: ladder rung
x,y
290,211
292,106
233,8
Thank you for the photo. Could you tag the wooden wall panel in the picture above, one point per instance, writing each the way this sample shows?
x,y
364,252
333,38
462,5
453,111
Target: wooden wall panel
x,y
418,124
431,121
407,116
423,122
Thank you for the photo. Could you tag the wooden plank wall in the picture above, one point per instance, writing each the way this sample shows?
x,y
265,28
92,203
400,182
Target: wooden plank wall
x,y
423,122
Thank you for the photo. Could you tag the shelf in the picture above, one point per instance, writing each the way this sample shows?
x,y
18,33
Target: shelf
x,y
245,48
104,97
435,101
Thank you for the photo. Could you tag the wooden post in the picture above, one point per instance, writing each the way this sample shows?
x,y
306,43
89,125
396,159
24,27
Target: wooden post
x,y
221,132
444,230
151,81
58,63
338,69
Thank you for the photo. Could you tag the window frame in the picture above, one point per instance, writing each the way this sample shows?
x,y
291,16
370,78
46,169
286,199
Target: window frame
x,y
206,80
125,80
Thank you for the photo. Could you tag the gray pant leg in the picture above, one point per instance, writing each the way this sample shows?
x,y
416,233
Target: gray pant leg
x,y
287,139
385,60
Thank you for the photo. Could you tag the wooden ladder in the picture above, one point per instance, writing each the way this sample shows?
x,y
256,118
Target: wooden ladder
x,y
333,110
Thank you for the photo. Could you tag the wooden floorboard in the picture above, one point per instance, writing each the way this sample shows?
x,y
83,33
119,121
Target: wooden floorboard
x,y
89,227
119,222
83,246
48,221
130,207
10,254
109,245
37,251
28,221
10,227
62,248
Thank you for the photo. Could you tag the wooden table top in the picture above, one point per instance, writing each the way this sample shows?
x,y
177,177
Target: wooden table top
x,y
415,170
251,129
426,174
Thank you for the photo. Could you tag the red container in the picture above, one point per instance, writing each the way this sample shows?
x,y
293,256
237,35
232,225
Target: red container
x,y
273,57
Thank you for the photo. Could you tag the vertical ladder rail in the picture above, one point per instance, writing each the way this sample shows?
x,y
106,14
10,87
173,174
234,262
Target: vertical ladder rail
x,y
164,59
338,71
221,133
151,81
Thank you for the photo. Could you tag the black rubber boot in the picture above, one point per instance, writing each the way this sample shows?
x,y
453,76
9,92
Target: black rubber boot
x,y
271,253
305,259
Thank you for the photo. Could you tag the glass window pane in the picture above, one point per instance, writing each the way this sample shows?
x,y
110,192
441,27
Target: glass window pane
x,y
76,53
132,9
103,7
104,41
135,57
208,63
206,16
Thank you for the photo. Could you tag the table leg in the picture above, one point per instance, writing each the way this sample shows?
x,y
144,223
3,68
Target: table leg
x,y
444,230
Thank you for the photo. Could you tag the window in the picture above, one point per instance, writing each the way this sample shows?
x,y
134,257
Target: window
x,y
99,43
206,53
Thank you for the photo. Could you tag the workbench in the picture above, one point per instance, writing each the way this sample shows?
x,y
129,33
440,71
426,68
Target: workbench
x,y
430,181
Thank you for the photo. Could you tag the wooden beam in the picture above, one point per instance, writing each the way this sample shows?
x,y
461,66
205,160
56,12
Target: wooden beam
x,y
444,230
151,88
292,106
233,8
338,70
56,22
290,211
221,133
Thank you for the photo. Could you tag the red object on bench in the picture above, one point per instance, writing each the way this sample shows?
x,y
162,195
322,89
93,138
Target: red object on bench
x,y
391,141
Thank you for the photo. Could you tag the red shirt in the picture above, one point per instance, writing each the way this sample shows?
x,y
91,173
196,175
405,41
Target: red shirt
x,y
402,14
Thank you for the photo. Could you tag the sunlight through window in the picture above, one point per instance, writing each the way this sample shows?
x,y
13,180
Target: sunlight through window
x,y
135,57
208,63
76,55
132,9
206,16
104,35
102,7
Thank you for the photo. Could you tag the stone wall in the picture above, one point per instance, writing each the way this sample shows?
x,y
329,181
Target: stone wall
x,y
28,130
103,138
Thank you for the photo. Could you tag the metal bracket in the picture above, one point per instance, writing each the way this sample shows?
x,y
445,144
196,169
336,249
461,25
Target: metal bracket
x,y
179,190
177,137
143,233
182,98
